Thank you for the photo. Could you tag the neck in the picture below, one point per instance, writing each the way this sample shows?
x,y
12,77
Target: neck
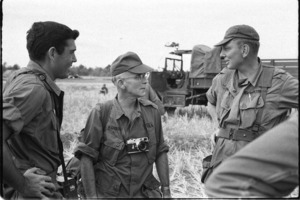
x,y
127,102
46,67
249,67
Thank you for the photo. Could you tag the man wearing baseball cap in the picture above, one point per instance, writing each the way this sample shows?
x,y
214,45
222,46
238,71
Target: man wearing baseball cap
x,y
247,98
124,137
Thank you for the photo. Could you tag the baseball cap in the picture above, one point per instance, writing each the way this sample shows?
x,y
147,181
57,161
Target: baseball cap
x,y
239,31
129,62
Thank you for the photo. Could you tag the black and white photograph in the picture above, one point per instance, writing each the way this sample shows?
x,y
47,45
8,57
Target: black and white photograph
x,y
150,99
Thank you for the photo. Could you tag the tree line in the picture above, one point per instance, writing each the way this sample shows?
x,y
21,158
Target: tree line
x,y
80,70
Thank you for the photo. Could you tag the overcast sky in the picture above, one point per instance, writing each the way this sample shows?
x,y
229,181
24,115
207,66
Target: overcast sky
x,y
112,27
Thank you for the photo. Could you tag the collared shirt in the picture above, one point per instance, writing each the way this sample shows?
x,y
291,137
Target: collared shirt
x,y
114,165
28,112
281,97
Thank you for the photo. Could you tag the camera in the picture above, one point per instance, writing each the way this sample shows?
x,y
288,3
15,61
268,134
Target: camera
x,y
68,189
137,145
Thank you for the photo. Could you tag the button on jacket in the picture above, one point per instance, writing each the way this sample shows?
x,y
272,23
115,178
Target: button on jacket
x,y
237,103
119,174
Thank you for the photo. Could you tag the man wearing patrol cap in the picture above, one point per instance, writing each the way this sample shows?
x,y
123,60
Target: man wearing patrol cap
x,y
124,138
247,97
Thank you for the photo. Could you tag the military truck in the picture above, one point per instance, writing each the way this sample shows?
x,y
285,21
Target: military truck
x,y
178,87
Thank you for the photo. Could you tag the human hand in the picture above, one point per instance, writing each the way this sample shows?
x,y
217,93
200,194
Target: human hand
x,y
37,184
213,138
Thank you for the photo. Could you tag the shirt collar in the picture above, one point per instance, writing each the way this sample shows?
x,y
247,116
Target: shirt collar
x,y
36,67
117,111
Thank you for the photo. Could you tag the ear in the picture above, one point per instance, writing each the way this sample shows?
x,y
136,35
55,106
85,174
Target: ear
x,y
121,84
245,50
51,53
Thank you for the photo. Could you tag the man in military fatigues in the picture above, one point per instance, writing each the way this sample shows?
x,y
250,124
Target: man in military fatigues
x,y
123,138
247,98
266,168
32,113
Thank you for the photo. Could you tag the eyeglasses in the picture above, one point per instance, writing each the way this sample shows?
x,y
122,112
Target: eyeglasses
x,y
139,76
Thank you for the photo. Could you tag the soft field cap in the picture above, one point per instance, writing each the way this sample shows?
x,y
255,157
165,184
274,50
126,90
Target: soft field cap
x,y
129,62
239,31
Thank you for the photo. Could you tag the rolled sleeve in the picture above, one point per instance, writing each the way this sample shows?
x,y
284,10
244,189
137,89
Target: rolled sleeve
x,y
22,105
211,94
91,138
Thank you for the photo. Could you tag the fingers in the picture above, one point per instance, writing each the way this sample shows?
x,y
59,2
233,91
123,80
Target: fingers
x,y
35,170
49,185
40,172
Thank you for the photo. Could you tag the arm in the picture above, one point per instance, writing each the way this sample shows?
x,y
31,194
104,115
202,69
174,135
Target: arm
x,y
162,167
212,111
33,183
88,176
87,151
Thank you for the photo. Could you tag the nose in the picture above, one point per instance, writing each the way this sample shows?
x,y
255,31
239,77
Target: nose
x,y
144,80
222,55
74,59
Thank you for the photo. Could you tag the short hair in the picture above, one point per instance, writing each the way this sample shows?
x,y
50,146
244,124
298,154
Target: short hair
x,y
115,79
44,35
254,45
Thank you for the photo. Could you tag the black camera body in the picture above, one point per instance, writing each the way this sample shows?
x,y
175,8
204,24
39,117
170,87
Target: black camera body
x,y
137,145
68,189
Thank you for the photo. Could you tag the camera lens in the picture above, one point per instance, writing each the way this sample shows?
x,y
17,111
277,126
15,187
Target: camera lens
x,y
142,146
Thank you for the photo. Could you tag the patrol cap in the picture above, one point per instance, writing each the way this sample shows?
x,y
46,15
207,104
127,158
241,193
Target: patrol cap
x,y
239,31
129,62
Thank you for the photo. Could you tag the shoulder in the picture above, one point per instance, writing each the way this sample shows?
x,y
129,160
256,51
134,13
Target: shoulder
x,y
22,77
104,105
24,83
147,103
223,77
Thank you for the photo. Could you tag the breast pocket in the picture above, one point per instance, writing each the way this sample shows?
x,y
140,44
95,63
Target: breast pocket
x,y
224,106
111,150
249,106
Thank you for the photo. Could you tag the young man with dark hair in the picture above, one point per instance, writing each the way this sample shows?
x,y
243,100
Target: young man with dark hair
x,y
32,113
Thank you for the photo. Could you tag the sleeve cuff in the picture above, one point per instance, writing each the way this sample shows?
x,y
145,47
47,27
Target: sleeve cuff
x,y
82,148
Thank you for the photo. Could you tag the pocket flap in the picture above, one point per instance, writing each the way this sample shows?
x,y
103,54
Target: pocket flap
x,y
119,145
252,102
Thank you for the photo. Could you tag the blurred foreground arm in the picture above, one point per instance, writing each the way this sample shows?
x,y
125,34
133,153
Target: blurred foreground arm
x,y
162,167
33,183
267,167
